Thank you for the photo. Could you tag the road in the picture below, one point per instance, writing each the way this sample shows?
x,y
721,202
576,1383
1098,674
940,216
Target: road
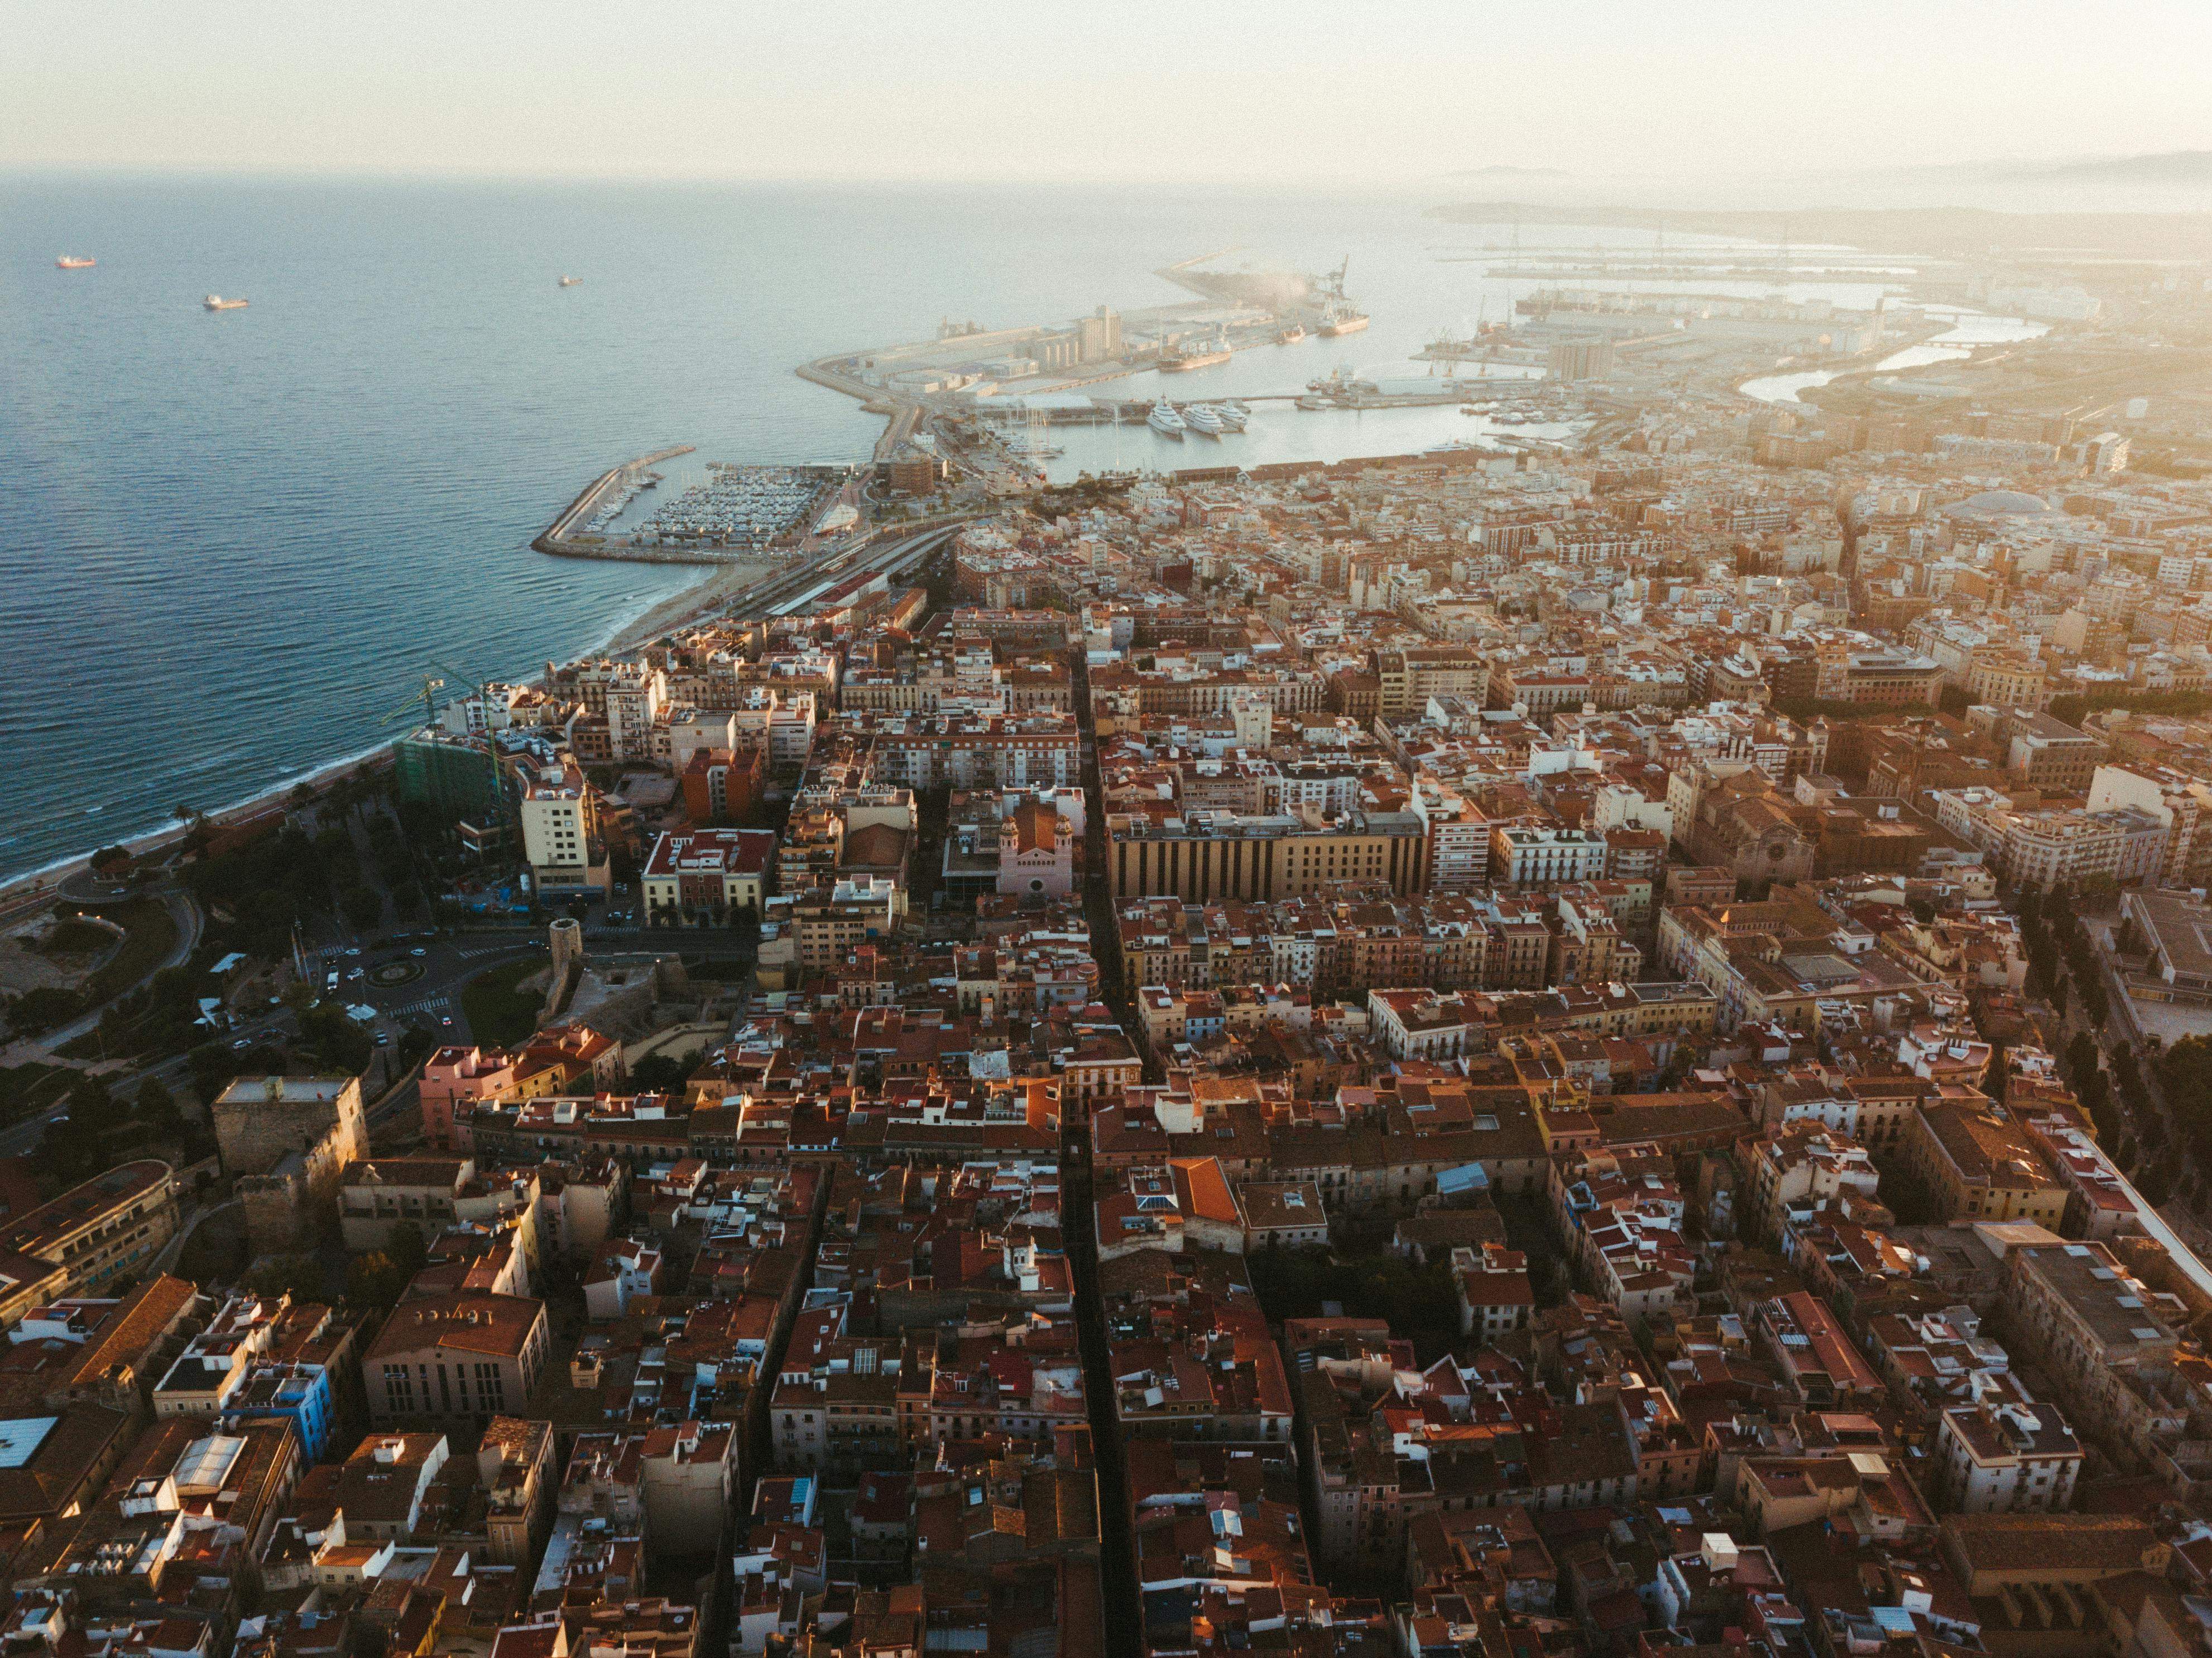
x,y
184,909
1117,1555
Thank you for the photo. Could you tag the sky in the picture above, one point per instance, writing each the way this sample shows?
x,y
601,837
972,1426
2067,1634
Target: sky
x,y
1371,92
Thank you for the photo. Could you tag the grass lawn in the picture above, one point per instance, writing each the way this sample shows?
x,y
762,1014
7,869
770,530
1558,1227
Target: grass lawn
x,y
76,937
152,935
498,1013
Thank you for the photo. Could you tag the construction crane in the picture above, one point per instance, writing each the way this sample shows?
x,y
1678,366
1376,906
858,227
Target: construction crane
x,y
427,698
422,709
1332,285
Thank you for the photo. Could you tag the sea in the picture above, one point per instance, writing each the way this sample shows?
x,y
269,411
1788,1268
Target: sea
x,y
234,544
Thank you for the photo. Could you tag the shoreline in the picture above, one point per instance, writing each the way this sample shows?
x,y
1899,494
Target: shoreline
x,y
42,882
694,602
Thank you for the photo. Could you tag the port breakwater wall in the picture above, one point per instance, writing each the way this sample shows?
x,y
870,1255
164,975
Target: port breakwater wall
x,y
556,538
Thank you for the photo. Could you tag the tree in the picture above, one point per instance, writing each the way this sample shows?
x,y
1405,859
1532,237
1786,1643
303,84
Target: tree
x,y
42,1008
92,1107
406,1247
300,1275
375,1280
363,908
657,1073
210,1069
155,1108
342,1044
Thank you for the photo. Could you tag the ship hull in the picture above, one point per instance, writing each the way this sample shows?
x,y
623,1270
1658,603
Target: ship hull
x,y
1184,365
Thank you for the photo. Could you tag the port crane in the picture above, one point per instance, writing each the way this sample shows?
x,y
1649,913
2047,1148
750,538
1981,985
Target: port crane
x,y
1332,285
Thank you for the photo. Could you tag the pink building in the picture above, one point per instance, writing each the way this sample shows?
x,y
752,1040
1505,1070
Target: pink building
x,y
1036,852
451,1076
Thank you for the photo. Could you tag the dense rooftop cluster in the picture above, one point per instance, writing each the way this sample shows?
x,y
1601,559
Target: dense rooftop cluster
x,y
1514,1054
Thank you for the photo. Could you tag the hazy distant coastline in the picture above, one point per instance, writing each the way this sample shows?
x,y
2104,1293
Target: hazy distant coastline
x,y
1939,232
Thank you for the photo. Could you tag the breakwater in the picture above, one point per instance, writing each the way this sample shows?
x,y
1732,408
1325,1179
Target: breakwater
x,y
557,536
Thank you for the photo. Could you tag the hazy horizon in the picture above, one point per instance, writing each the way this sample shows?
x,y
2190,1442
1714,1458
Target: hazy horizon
x,y
1705,97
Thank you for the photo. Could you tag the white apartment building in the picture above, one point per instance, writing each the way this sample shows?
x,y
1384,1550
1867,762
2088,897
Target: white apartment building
x,y
1419,1025
635,695
2007,1454
2043,848
784,718
1459,836
561,831
1545,856
2173,798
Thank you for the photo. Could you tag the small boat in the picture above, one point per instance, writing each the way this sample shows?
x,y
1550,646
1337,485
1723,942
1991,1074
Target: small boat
x,y
217,302
1200,418
1310,401
1291,334
71,262
570,282
1164,420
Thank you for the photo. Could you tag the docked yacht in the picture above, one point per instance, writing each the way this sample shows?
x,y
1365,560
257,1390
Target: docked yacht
x,y
1232,415
1164,420
1201,418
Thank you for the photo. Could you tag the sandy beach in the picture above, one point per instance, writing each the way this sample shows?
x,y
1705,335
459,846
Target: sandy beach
x,y
700,599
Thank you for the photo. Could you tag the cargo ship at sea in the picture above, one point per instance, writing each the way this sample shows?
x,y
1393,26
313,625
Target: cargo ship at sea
x,y
217,302
71,262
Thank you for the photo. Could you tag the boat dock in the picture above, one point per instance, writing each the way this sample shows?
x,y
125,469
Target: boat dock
x,y
558,536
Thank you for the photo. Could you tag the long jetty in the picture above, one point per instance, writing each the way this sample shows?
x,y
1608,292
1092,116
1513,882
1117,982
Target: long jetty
x,y
556,538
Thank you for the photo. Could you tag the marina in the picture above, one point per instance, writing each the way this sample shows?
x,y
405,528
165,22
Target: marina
x,y
749,508
722,511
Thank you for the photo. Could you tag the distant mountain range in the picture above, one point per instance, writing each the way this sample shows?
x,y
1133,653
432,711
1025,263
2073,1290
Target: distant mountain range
x,y
2174,167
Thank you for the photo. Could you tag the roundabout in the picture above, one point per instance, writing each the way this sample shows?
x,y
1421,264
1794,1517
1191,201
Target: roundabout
x,y
389,976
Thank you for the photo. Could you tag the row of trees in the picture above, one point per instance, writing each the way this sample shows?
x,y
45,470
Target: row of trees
x,y
2112,1087
2184,1077
2051,932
